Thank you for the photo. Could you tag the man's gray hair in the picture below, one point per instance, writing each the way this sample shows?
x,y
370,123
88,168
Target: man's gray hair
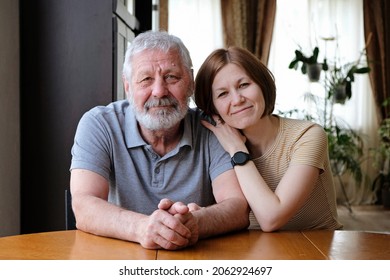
x,y
155,40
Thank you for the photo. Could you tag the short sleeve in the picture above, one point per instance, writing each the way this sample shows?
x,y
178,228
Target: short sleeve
x,y
91,146
311,148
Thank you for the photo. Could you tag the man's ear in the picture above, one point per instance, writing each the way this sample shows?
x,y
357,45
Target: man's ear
x,y
126,84
191,91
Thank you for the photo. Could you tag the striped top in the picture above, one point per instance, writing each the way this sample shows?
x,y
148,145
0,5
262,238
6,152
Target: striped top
x,y
302,142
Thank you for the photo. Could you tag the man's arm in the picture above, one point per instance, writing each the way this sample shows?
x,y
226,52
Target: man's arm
x,y
94,214
231,212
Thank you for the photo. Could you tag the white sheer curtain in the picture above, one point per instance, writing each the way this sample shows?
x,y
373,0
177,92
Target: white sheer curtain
x,y
199,24
305,23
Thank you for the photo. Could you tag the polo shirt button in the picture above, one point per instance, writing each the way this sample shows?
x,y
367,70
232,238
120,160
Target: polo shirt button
x,y
157,170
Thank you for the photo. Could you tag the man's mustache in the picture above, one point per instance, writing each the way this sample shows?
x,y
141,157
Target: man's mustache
x,y
165,101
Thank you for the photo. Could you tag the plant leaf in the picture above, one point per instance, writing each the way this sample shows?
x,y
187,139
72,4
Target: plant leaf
x,y
325,66
304,68
293,64
348,90
314,57
362,70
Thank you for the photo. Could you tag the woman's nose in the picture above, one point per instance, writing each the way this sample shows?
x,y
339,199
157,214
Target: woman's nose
x,y
237,97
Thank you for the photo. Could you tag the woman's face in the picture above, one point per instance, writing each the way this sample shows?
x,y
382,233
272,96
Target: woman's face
x,y
238,99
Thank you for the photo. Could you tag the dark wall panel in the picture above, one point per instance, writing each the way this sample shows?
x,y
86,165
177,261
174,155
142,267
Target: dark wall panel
x,y
66,68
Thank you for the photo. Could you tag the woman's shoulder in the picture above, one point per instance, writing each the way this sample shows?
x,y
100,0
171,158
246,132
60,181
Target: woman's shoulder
x,y
301,127
294,124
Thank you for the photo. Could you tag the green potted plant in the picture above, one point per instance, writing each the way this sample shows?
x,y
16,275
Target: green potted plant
x,y
309,64
381,155
339,83
345,155
345,150
345,144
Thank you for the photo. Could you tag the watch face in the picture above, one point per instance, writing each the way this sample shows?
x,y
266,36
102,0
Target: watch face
x,y
240,158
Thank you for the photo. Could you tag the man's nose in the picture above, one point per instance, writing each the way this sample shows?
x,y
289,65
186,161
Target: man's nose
x,y
159,88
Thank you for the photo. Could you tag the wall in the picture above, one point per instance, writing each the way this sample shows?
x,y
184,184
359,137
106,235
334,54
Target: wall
x,y
9,119
66,69
55,70
56,62
69,61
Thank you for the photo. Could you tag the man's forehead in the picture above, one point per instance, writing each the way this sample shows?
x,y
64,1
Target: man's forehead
x,y
146,57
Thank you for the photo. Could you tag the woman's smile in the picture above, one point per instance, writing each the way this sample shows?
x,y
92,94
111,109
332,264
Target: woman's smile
x,y
243,110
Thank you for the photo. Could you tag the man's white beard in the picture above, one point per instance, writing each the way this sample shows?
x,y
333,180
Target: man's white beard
x,y
162,118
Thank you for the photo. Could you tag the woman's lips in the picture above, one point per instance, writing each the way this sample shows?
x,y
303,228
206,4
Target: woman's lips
x,y
242,110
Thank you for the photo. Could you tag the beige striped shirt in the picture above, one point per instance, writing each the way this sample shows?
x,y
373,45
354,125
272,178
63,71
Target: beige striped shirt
x,y
302,142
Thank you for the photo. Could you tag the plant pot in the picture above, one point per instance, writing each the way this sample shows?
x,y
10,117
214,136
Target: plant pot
x,y
340,93
314,72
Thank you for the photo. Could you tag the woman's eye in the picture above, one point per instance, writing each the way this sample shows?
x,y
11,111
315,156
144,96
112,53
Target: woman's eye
x,y
244,85
222,94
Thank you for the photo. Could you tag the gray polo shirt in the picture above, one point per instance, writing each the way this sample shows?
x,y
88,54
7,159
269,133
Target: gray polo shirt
x,y
108,142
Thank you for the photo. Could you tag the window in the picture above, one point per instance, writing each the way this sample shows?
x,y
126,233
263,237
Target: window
x,y
298,23
306,23
199,24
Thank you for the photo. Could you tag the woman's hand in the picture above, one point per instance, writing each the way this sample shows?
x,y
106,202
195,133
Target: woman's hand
x,y
230,138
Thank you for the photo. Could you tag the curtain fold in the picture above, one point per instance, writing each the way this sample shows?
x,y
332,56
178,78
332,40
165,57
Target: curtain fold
x,y
249,24
163,15
377,26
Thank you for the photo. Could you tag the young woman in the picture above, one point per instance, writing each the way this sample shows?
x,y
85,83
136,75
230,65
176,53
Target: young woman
x,y
282,164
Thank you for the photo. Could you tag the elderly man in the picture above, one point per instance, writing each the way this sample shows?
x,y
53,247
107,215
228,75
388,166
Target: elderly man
x,y
145,169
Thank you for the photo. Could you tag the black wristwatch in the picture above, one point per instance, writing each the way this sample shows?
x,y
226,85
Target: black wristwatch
x,y
240,158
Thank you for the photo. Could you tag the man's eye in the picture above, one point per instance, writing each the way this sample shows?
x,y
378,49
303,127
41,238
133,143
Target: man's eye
x,y
171,78
145,79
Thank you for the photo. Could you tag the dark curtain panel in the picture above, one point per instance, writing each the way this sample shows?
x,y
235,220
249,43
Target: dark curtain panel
x,y
249,24
377,26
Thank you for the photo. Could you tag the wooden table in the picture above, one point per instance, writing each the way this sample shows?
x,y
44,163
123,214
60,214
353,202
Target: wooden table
x,y
71,244
312,245
244,245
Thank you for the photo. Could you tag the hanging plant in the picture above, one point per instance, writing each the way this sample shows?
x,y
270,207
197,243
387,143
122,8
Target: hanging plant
x,y
309,64
341,79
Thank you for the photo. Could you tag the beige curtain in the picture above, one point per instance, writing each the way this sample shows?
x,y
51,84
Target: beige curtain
x,y
377,23
249,24
163,15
